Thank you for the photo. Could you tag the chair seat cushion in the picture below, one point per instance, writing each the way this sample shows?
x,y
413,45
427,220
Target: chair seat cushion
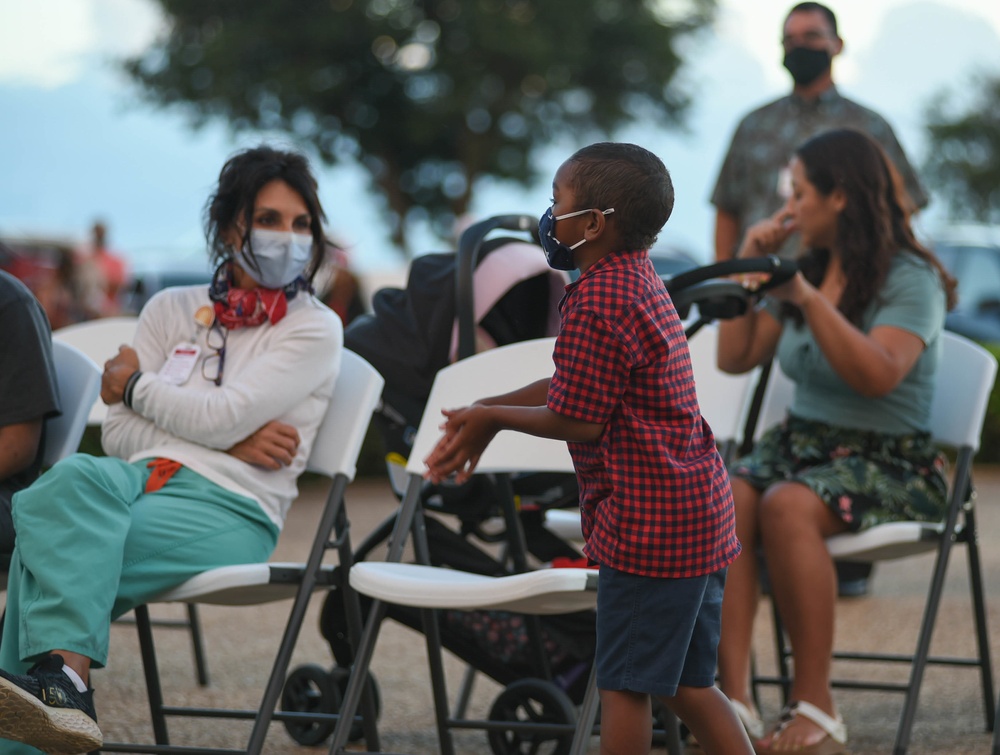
x,y
886,541
546,591
244,584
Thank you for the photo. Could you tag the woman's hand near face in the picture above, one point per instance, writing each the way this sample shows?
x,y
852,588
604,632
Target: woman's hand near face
x,y
272,447
117,371
767,236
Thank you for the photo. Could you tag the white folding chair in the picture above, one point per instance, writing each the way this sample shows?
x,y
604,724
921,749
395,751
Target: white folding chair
x,y
429,588
79,380
98,339
334,454
964,383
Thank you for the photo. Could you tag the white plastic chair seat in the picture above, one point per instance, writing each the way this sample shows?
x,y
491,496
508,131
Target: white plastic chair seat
x,y
546,591
98,339
243,584
886,541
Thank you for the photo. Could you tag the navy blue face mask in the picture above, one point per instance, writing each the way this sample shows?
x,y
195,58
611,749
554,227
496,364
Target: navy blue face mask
x,y
557,254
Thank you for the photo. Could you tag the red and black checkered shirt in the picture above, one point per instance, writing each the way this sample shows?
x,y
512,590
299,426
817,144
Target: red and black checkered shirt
x,y
654,492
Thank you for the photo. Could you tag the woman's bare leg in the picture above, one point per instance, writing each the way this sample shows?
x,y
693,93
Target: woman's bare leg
x,y
739,602
794,524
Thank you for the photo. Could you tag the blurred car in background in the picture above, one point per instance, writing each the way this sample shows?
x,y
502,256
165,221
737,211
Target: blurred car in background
x,y
669,261
972,254
152,273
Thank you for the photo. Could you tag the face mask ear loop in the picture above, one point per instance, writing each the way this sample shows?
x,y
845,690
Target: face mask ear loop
x,y
247,256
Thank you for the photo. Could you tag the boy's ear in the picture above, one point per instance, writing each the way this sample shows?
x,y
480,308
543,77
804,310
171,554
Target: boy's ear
x,y
597,225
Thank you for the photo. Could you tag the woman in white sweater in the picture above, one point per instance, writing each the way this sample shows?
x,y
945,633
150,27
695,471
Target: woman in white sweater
x,y
213,415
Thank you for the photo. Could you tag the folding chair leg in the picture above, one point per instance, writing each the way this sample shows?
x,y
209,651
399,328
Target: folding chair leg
x,y
197,645
356,682
150,669
465,692
927,627
979,609
438,685
366,646
588,716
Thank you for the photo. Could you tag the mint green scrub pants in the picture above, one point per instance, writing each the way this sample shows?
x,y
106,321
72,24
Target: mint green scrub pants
x,y
92,545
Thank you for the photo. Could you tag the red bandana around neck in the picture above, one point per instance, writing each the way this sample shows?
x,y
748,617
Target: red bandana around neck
x,y
246,308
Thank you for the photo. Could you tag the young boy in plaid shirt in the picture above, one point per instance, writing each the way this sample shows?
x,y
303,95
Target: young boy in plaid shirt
x,y
656,505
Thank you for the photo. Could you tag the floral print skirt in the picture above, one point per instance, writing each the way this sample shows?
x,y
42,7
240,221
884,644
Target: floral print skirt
x,y
865,477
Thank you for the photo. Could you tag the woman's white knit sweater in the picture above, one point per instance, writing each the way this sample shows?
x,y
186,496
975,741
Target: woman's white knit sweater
x,y
282,372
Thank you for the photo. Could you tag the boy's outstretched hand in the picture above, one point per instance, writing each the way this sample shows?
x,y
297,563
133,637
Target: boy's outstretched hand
x,y
467,433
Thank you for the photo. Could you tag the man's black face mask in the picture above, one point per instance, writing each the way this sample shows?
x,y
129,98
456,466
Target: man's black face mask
x,y
806,64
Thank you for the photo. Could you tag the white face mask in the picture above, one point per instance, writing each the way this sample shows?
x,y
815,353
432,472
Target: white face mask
x,y
279,257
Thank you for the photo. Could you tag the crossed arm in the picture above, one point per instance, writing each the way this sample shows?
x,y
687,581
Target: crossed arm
x,y
271,446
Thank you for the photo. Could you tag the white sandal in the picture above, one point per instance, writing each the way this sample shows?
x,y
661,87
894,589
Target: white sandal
x,y
836,732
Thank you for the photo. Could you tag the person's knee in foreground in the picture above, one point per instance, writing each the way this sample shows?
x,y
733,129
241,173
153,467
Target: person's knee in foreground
x,y
858,331
212,416
655,499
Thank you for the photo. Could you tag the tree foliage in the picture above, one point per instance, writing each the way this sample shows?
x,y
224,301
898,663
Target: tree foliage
x,y
964,155
428,95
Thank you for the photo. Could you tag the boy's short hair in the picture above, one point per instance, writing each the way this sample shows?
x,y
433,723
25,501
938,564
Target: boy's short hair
x,y
632,180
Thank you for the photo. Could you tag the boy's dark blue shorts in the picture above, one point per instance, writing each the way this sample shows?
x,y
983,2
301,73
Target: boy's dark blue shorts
x,y
655,634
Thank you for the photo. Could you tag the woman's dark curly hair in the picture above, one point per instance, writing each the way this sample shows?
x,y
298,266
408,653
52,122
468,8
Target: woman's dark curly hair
x,y
872,228
232,203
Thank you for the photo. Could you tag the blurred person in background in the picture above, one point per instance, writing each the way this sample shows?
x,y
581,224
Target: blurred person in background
x,y
104,272
61,294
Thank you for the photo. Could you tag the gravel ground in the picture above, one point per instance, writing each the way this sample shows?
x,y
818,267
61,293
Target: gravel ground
x,y
240,640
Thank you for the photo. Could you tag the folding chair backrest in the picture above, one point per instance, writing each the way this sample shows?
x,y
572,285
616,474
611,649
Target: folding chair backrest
x,y
961,397
490,373
79,381
342,432
99,340
723,398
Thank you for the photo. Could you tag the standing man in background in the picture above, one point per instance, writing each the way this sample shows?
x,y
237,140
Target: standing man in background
x,y
754,181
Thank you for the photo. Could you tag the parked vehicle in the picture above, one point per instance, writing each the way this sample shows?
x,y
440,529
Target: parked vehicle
x,y
151,273
972,254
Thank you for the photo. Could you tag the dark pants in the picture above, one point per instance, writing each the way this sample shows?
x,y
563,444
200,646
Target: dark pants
x,y
6,531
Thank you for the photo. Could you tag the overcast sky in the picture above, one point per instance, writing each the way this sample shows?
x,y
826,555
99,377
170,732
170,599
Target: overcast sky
x,y
78,144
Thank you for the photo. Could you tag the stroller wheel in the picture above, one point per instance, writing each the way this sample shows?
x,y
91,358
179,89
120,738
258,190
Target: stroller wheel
x,y
310,689
532,701
340,678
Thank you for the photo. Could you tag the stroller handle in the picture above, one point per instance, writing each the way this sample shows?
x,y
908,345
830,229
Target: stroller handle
x,y
469,246
781,271
720,298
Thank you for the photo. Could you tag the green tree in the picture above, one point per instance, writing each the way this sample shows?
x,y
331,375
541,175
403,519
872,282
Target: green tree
x,y
427,95
963,161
